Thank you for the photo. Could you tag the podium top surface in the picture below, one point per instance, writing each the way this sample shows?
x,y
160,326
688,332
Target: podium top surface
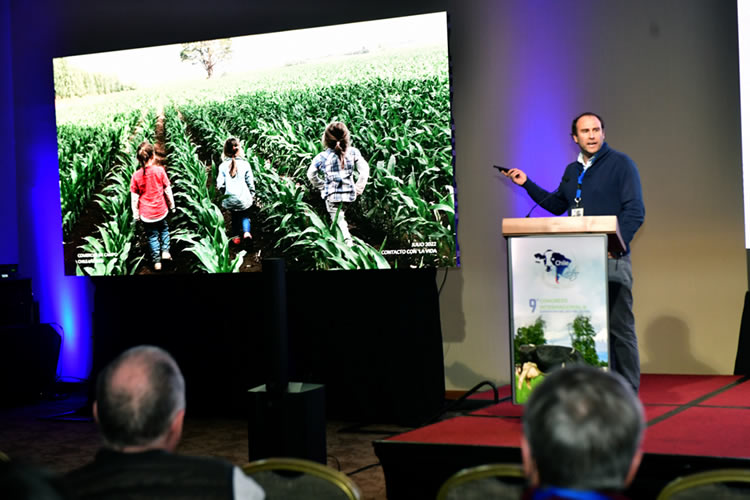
x,y
599,224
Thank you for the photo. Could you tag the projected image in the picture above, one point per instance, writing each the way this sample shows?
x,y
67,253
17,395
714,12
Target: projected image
x,y
330,147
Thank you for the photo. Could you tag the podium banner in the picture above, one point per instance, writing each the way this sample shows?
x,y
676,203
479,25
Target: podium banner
x,y
558,298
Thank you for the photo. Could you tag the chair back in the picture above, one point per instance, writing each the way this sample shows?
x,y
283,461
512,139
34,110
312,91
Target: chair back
x,y
499,481
719,484
288,478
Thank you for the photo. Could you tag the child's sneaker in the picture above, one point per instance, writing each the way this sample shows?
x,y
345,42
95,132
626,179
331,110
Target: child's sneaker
x,y
157,266
166,256
248,236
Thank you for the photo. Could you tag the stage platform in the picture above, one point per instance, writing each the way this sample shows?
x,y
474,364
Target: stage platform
x,y
695,423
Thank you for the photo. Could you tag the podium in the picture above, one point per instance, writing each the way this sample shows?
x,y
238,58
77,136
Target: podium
x,y
558,287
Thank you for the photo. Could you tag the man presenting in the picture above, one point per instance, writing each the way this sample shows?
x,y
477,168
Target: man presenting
x,y
602,181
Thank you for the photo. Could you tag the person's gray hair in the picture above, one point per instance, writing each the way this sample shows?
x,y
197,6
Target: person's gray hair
x,y
139,413
583,426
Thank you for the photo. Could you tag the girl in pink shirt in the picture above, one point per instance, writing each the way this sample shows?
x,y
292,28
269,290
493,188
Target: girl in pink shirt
x,y
151,199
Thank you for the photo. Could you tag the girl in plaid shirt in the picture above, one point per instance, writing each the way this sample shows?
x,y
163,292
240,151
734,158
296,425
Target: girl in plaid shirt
x,y
332,173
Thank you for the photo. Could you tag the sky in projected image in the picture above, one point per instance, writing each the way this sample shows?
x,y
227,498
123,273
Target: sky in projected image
x,y
154,66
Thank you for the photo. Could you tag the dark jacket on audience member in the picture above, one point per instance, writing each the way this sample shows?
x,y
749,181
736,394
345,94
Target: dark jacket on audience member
x,y
153,474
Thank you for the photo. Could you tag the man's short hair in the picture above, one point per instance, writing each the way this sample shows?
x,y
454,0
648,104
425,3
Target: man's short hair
x,y
583,426
574,126
137,414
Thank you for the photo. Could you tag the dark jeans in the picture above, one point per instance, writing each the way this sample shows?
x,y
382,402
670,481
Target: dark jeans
x,y
623,343
158,238
240,222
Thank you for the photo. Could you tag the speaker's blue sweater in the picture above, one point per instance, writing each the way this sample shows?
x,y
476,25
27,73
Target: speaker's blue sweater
x,y
611,186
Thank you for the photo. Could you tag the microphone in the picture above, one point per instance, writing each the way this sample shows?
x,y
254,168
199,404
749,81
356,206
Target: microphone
x,y
564,180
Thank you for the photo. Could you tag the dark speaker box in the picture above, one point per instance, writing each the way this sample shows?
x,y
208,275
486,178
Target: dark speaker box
x,y
28,361
17,306
288,424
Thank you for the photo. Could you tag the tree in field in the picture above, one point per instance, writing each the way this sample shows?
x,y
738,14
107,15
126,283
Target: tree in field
x,y
207,54
532,334
582,339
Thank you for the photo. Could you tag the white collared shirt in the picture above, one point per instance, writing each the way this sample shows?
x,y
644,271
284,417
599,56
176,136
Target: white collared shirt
x,y
586,164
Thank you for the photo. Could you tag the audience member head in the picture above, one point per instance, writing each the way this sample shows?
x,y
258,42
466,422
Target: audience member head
x,y
582,429
140,401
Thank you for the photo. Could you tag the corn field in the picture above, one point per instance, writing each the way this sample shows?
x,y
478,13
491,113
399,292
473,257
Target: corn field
x,y
397,109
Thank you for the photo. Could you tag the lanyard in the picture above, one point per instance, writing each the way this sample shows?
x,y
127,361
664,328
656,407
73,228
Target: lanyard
x,y
551,492
578,191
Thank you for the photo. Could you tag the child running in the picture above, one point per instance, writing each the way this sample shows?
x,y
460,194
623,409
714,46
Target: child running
x,y
151,199
332,173
235,181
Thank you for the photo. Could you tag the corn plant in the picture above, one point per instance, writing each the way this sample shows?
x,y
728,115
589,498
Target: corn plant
x,y
112,250
85,155
400,125
200,223
304,239
397,107
116,237
211,260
